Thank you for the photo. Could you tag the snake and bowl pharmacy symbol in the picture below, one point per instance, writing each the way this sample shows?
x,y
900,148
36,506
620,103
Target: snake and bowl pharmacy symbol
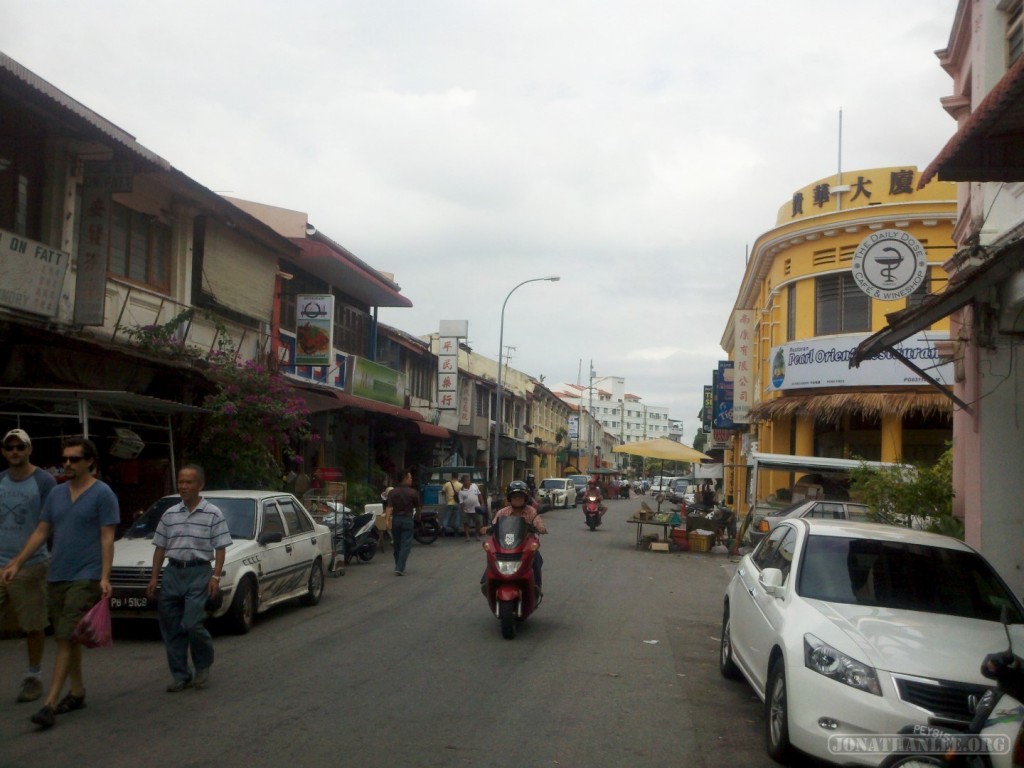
x,y
889,264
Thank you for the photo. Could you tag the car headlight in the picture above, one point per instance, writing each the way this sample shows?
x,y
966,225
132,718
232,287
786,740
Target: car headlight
x,y
826,660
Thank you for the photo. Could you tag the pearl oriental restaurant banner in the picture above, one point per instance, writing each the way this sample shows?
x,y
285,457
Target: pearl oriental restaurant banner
x,y
825,362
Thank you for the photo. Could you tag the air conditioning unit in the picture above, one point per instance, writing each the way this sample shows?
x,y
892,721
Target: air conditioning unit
x,y
126,444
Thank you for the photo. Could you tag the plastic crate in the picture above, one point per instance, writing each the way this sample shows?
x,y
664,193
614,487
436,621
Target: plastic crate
x,y
699,542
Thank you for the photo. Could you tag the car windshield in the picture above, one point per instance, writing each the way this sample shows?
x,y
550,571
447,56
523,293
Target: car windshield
x,y
903,576
240,515
553,484
577,479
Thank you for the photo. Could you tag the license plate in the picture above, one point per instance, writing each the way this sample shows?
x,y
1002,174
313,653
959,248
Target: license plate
x,y
131,603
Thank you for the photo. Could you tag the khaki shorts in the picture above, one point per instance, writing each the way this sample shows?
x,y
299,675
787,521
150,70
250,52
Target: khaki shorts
x,y
68,602
27,595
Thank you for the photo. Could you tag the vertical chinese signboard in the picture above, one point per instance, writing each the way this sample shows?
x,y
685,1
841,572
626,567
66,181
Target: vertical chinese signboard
x,y
101,180
448,363
708,412
743,358
314,329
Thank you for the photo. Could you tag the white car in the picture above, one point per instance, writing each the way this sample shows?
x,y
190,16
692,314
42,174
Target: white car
x,y
277,553
557,492
856,629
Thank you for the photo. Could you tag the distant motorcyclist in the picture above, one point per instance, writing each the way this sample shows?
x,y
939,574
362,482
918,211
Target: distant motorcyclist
x,y
593,489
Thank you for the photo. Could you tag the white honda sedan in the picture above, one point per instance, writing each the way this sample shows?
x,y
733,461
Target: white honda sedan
x,y
854,629
277,553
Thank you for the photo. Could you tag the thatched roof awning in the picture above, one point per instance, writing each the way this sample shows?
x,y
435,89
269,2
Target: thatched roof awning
x,y
867,405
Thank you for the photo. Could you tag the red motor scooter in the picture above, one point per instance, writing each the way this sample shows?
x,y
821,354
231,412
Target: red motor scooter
x,y
592,510
509,584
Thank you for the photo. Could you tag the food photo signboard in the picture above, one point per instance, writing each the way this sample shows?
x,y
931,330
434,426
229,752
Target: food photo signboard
x,y
314,329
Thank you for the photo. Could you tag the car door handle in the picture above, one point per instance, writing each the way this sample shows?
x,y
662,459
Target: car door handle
x,y
288,548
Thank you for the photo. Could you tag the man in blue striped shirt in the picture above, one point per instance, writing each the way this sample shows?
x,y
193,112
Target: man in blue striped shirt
x,y
190,534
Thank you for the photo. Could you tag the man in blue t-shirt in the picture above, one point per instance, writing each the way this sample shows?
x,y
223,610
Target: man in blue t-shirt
x,y
81,515
23,489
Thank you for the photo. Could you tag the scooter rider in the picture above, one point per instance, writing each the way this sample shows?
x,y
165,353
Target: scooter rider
x,y
518,497
593,489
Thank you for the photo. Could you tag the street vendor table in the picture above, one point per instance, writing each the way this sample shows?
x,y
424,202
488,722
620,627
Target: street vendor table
x,y
665,526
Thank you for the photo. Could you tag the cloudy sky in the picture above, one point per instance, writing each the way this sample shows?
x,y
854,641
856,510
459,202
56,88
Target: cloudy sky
x,y
634,148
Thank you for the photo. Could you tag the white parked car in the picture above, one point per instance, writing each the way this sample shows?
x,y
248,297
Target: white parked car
x,y
278,552
854,629
557,492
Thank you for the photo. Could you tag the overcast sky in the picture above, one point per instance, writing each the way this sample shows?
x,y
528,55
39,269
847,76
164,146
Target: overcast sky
x,y
636,149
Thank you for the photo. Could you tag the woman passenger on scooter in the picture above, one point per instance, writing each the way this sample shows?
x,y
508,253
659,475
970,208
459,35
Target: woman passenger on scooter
x,y
518,496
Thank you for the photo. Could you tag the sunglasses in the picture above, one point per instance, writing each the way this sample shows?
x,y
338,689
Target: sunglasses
x,y
72,459
16,447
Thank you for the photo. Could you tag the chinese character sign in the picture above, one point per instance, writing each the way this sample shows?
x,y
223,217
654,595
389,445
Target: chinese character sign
x,y
707,413
448,367
745,345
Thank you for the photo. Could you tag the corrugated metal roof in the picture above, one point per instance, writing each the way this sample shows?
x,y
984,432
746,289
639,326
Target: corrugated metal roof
x,y
989,146
17,76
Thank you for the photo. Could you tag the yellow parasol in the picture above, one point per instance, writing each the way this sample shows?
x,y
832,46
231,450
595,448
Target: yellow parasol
x,y
661,448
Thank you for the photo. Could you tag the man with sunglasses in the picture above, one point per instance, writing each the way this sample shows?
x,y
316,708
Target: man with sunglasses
x,y
81,515
23,489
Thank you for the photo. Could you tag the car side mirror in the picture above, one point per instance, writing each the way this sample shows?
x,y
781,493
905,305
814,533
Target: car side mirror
x,y
771,579
270,538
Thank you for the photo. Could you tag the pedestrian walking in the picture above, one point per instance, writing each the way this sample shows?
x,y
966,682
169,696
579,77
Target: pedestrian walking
x,y
451,522
80,515
399,517
23,490
190,534
471,504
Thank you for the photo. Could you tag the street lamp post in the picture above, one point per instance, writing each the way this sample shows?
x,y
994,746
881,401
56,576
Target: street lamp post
x,y
495,479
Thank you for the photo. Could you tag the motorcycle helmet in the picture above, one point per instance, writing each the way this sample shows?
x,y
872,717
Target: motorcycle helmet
x,y
517,486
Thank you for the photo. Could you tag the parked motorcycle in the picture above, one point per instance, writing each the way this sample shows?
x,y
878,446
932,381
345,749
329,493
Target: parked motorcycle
x,y
427,527
994,737
355,535
592,510
509,584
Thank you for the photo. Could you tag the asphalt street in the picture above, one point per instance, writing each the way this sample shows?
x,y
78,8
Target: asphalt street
x,y
618,667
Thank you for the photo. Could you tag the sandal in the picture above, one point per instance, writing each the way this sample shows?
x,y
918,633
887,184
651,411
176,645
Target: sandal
x,y
69,704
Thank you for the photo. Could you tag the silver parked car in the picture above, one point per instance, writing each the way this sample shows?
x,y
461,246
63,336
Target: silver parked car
x,y
813,508
277,553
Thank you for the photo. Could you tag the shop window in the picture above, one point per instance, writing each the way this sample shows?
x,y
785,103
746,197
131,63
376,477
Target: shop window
x,y
351,326
139,248
840,306
1014,32
791,312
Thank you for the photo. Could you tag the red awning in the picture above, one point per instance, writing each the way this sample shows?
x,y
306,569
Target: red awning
x,y
321,398
432,430
989,146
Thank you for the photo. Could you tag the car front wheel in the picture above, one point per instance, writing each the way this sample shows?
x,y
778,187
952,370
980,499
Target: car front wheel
x,y
776,717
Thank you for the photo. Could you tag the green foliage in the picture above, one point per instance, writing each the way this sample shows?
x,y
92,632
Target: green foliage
x,y
361,494
254,417
161,339
921,497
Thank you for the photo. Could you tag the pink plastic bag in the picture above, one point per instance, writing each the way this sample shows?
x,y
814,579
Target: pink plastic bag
x,y
93,630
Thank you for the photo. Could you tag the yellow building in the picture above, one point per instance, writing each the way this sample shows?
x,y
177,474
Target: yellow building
x,y
837,262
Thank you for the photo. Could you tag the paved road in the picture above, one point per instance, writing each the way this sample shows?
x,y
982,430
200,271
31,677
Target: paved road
x,y
617,668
